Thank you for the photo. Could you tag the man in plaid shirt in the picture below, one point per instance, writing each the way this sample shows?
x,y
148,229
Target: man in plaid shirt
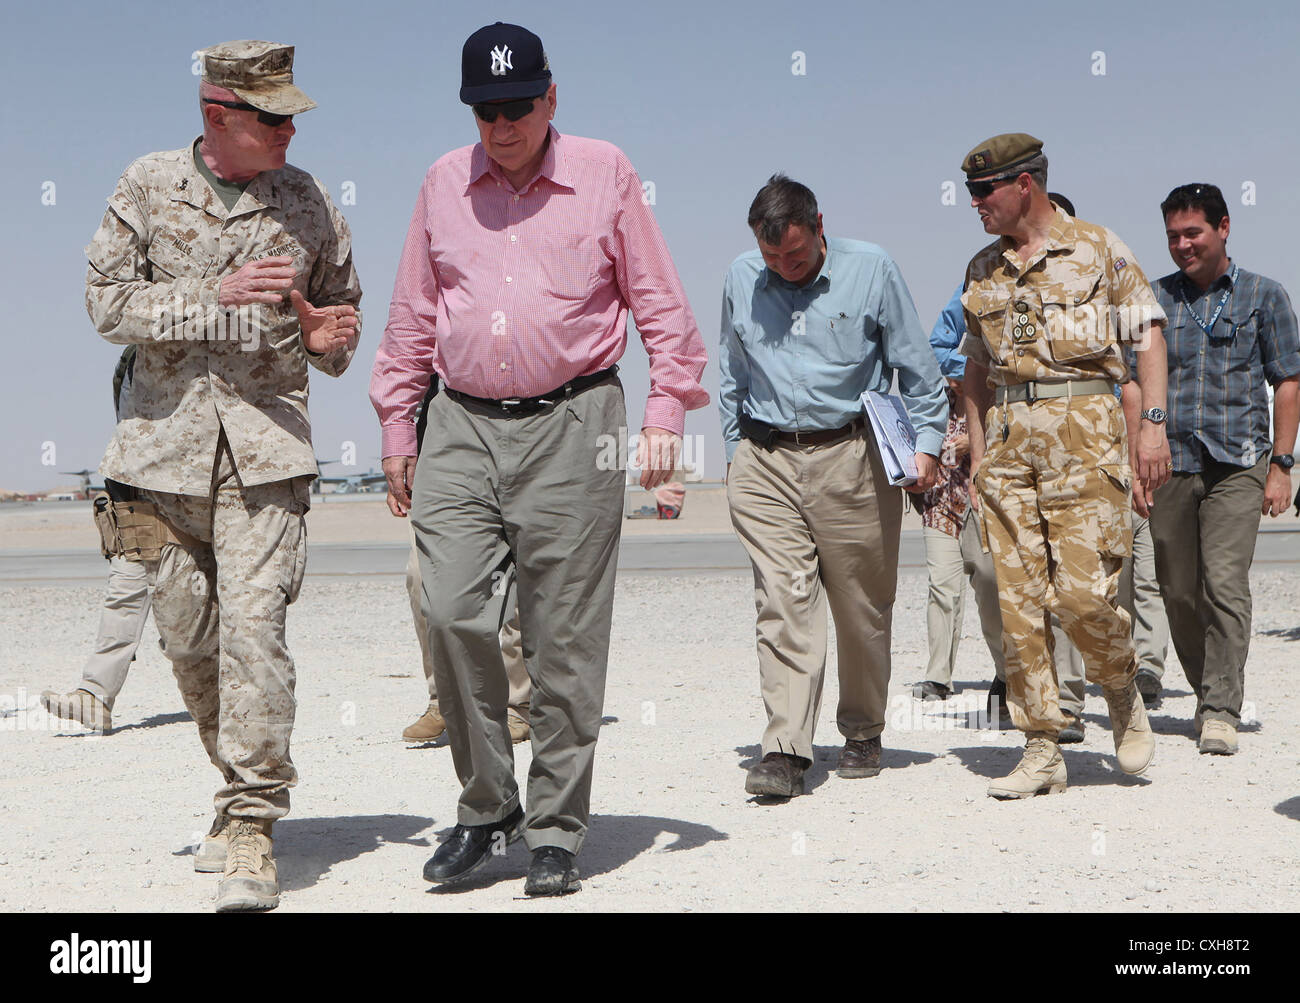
x,y
1229,332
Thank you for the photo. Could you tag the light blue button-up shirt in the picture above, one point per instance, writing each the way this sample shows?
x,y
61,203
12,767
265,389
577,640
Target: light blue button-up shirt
x,y
948,331
800,357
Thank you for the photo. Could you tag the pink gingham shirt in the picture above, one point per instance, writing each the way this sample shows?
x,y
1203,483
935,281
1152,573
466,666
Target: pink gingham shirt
x,y
512,293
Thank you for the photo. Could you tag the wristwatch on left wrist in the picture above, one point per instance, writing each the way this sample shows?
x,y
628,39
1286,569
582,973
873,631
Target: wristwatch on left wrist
x,y
1286,461
1155,415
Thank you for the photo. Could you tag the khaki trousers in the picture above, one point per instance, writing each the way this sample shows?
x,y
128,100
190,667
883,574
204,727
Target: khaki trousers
x,y
1139,593
512,652
496,495
220,609
121,622
821,525
1204,526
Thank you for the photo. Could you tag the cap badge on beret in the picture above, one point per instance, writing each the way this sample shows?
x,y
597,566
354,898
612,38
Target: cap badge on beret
x,y
980,160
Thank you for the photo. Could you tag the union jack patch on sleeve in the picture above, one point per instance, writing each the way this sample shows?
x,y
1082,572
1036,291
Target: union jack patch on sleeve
x,y
1120,263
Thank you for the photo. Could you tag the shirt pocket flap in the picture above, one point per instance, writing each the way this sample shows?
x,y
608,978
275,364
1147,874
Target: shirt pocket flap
x,y
169,261
983,304
1078,317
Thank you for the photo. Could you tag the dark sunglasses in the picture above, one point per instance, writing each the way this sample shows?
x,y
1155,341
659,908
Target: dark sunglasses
x,y
512,110
983,189
265,117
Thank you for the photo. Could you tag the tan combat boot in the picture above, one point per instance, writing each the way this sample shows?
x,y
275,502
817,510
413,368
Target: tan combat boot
x,y
1218,738
1135,745
210,857
250,881
1041,771
81,706
518,726
428,727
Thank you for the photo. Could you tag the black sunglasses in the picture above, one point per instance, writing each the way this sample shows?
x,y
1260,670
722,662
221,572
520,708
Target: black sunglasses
x,y
512,110
265,117
983,189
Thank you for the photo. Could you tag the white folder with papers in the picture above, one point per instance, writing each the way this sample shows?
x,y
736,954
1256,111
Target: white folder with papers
x,y
894,435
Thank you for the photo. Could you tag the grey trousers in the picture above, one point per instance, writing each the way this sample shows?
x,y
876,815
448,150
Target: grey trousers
x,y
121,622
512,651
951,560
1204,526
1139,593
495,494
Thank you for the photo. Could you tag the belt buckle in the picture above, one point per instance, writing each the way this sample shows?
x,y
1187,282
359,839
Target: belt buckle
x,y
510,403
798,440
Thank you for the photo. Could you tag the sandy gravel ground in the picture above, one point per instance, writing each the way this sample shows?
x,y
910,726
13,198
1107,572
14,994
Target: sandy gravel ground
x,y
107,823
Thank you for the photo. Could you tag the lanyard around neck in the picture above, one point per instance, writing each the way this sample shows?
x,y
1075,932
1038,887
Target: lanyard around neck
x,y
1223,301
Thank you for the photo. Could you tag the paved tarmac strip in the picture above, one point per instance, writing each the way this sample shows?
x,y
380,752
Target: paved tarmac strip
x,y
666,554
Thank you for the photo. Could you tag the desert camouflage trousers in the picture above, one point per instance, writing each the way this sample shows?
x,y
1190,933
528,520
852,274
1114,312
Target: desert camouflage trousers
x,y
220,609
1055,495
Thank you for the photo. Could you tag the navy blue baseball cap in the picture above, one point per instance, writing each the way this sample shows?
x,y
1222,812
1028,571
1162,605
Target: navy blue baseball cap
x,y
503,62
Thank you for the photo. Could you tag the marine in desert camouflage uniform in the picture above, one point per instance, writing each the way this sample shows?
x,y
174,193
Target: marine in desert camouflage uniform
x,y
1047,307
210,258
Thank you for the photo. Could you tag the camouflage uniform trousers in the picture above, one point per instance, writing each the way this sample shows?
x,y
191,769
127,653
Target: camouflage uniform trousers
x,y
1055,499
220,610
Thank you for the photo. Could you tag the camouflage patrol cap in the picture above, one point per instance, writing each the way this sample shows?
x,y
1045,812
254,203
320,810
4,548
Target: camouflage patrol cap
x,y
261,73
1003,156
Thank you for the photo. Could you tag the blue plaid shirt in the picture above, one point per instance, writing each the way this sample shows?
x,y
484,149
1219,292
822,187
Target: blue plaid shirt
x,y
1217,398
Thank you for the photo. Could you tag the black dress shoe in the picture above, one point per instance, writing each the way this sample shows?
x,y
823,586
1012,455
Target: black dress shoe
x,y
778,776
998,712
469,846
552,872
1073,730
1149,685
930,690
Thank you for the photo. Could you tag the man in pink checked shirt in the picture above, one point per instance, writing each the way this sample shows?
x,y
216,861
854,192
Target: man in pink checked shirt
x,y
524,255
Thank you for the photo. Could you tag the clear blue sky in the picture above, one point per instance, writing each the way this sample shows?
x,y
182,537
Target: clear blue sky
x,y
701,97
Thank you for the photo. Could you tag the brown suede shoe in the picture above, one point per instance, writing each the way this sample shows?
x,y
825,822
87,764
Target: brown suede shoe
x,y
428,727
860,758
777,776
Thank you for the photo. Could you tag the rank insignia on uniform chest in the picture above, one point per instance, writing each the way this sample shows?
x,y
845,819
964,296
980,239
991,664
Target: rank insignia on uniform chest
x,y
1024,328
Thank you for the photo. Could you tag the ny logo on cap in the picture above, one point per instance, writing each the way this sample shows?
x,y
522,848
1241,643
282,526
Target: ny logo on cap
x,y
501,57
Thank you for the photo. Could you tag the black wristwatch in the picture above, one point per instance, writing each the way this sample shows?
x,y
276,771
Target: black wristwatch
x,y
1155,415
1286,461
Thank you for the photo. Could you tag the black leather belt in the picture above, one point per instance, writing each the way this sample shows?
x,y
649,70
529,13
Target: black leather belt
x,y
821,436
531,405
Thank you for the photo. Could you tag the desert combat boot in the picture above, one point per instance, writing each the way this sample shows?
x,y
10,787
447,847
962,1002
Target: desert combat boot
x,y
429,726
250,880
210,857
1041,771
81,706
1135,745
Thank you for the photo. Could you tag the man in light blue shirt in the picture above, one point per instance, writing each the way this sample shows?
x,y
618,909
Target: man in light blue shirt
x,y
948,331
808,325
